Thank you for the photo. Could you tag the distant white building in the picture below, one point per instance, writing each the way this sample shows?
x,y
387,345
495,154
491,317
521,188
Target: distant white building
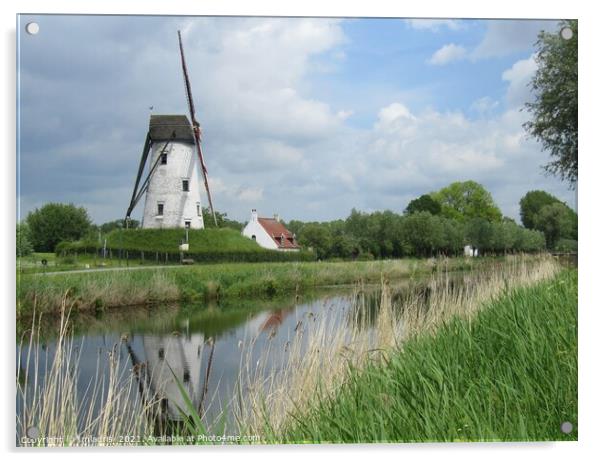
x,y
471,251
270,233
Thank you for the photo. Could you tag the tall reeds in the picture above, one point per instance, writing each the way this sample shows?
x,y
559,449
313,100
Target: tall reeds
x,y
325,348
320,355
54,409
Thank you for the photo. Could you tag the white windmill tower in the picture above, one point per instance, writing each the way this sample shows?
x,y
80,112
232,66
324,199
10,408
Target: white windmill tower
x,y
174,156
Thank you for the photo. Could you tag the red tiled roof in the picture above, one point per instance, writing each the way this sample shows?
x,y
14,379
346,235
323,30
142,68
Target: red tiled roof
x,y
280,234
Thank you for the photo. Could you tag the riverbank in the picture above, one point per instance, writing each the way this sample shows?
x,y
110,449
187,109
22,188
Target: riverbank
x,y
281,368
98,291
509,374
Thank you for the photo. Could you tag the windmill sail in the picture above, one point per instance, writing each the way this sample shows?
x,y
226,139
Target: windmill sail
x,y
195,128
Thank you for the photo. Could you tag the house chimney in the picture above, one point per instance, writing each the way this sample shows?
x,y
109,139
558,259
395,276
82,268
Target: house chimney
x,y
276,217
253,215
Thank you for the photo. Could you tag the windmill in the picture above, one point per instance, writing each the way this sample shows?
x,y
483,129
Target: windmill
x,y
171,185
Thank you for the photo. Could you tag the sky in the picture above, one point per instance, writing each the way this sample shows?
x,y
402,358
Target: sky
x,y
304,117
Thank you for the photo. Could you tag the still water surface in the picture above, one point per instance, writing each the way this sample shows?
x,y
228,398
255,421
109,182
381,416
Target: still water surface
x,y
203,346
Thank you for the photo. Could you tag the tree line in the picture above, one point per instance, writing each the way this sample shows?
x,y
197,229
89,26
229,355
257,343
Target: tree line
x,y
443,223
385,234
439,223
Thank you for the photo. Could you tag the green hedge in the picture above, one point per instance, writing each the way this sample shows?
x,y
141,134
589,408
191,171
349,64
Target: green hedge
x,y
206,245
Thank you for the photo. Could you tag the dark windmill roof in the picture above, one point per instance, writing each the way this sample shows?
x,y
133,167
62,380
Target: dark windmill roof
x,y
174,127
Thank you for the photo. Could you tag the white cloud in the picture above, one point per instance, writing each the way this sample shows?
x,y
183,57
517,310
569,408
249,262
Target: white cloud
x,y
247,78
408,153
504,37
432,143
390,114
519,76
243,87
434,24
484,105
269,142
228,190
249,194
501,38
447,53
344,114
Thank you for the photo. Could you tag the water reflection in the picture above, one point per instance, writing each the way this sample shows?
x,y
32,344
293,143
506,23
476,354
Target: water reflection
x,y
188,359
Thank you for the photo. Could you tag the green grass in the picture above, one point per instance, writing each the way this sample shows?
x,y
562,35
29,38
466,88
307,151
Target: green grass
x,y
510,374
97,291
94,291
101,290
32,264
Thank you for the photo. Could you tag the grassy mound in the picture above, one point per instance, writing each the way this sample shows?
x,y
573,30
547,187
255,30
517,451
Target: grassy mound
x,y
205,245
167,240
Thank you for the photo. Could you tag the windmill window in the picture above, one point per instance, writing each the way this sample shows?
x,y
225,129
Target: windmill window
x,y
161,353
160,209
187,224
185,185
198,209
253,237
163,159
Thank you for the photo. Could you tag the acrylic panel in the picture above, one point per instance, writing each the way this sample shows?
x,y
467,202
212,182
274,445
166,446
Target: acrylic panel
x,y
259,230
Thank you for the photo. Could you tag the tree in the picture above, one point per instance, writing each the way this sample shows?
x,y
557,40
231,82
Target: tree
x,y
424,233
480,234
531,240
554,110
221,218
118,224
453,234
531,204
503,237
56,222
24,246
554,221
423,203
365,227
466,200
295,226
318,237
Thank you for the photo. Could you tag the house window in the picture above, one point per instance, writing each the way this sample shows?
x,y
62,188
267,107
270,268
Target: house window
x,y
163,159
185,185
198,209
187,224
160,209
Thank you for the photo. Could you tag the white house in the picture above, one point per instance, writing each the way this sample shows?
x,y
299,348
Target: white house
x,y
471,251
173,197
270,233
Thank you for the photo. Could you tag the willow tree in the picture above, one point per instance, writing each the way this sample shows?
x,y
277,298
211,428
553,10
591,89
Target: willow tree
x,y
554,110
463,201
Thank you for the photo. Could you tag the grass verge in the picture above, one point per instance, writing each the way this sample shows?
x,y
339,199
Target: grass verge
x,y
509,374
97,291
